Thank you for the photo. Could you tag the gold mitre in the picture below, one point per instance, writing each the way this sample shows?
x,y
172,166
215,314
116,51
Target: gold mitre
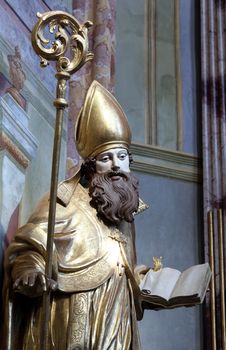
x,y
101,124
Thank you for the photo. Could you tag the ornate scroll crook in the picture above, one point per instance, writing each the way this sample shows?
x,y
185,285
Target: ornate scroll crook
x,y
69,33
70,51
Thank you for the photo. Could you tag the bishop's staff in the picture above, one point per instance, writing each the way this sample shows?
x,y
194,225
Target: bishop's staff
x,y
69,35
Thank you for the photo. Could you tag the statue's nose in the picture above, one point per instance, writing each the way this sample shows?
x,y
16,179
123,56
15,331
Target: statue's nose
x,y
115,168
115,163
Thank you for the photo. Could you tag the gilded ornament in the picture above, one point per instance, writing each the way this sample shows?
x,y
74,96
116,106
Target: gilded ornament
x,y
157,263
68,34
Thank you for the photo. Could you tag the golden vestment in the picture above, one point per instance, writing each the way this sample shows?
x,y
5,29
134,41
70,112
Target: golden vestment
x,y
93,307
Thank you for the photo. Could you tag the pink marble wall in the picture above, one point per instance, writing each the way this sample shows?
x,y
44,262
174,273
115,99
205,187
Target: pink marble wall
x,y
213,38
102,43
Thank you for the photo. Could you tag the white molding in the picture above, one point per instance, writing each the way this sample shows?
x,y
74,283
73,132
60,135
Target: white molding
x,y
163,162
13,122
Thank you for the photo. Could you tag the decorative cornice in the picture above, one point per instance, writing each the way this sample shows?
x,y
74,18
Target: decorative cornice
x,y
7,144
163,162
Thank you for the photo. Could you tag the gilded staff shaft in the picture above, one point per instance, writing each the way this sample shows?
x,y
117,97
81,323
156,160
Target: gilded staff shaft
x,y
77,42
222,280
60,104
212,284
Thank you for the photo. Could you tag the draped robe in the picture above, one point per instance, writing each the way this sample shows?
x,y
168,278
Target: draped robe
x,y
93,306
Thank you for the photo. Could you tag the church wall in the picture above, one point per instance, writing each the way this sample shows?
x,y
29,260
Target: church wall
x,y
130,73
191,75
157,79
170,228
166,140
38,92
38,173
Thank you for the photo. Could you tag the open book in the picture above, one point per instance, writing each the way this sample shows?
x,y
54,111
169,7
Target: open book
x,y
170,288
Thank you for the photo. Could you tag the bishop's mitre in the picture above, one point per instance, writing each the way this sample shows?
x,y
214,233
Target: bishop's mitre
x,y
101,124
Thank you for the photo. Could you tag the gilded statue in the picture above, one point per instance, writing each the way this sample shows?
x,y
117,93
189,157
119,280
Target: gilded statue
x,y
94,299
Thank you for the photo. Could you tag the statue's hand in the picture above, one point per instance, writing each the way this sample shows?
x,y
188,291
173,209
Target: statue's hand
x,y
33,283
140,271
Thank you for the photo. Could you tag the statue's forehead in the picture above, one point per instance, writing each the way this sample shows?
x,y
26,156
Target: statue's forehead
x,y
113,151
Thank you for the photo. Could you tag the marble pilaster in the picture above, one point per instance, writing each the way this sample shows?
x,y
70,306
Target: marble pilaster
x,y
213,56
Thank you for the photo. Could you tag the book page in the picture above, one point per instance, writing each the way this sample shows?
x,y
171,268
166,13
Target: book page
x,y
160,282
193,281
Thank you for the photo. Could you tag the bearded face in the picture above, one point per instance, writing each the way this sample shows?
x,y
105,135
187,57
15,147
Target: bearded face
x,y
112,188
114,195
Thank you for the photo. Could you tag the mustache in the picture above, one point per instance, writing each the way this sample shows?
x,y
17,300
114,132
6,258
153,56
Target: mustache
x,y
117,173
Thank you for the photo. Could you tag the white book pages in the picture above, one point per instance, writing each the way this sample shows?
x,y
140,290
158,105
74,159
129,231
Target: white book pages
x,y
192,281
161,282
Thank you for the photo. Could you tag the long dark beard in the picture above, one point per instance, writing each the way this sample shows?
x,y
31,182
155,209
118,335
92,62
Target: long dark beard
x,y
114,200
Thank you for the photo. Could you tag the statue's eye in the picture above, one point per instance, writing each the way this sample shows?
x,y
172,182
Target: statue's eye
x,y
122,156
104,159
